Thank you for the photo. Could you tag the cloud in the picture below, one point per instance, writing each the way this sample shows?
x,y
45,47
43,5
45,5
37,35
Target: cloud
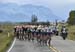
x,y
42,2
60,8
47,3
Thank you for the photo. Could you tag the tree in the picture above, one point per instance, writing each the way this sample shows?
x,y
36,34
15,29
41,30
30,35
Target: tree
x,y
34,18
71,19
48,23
56,21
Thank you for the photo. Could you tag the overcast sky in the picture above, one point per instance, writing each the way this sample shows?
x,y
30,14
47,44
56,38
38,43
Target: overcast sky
x,y
60,8
42,2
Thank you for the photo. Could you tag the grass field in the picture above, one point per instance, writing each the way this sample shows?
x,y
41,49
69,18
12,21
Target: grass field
x,y
4,39
71,32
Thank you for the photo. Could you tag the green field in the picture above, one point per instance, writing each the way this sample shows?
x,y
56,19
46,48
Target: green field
x,y
4,39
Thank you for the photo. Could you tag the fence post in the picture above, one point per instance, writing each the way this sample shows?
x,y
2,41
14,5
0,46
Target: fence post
x,y
8,34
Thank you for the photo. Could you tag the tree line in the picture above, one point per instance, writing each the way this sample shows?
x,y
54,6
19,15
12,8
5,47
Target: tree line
x,y
34,21
71,18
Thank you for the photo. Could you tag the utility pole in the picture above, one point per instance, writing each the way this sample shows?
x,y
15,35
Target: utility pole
x,y
56,22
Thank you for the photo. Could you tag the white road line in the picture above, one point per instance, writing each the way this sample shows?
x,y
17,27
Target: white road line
x,y
12,45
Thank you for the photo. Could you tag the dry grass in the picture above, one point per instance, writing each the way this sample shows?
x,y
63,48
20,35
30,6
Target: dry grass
x,y
71,32
4,39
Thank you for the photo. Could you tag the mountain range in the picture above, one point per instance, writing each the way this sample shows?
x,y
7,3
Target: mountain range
x,y
22,13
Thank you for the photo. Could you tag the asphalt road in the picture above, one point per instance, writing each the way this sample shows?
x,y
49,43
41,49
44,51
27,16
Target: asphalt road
x,y
29,46
63,45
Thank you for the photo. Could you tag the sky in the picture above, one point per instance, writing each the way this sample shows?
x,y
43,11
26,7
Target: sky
x,y
60,8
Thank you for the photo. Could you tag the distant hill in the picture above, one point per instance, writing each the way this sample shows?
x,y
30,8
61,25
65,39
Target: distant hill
x,y
20,13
